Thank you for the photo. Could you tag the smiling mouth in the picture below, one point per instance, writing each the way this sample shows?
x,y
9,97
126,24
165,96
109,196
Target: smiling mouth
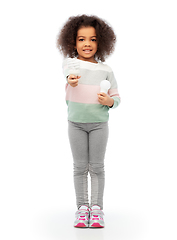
x,y
87,50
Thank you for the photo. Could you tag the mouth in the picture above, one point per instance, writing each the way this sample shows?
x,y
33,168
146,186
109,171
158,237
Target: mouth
x,y
87,50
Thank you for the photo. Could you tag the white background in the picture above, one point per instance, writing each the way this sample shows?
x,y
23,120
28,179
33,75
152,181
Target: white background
x,y
36,181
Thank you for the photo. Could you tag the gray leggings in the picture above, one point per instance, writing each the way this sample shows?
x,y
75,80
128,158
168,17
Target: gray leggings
x,y
88,145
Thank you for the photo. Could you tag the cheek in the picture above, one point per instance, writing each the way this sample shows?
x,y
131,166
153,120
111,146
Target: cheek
x,y
95,44
96,47
79,45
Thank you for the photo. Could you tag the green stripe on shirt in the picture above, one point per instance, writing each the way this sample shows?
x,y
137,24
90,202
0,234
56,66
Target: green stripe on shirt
x,y
87,113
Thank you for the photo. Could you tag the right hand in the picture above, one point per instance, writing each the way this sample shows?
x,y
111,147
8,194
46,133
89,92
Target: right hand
x,y
73,80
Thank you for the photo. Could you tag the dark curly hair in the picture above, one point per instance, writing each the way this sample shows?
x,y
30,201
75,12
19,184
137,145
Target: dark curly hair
x,y
66,40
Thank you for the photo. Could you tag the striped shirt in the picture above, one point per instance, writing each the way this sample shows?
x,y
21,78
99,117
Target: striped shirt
x,y
82,101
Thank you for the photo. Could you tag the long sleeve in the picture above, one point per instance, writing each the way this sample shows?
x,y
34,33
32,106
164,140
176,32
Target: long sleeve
x,y
71,66
113,91
65,68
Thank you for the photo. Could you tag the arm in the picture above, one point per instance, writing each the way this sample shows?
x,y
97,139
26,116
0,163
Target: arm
x,y
67,68
112,99
113,91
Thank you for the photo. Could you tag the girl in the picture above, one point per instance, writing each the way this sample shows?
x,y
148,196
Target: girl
x,y
87,41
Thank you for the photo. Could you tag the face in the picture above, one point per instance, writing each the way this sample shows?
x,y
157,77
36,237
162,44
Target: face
x,y
86,44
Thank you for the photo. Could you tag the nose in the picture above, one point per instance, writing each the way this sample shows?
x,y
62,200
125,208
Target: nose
x,y
87,44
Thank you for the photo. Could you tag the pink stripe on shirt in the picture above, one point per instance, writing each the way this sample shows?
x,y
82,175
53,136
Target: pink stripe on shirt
x,y
86,93
83,94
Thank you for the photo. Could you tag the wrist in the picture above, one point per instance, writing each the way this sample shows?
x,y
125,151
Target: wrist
x,y
111,102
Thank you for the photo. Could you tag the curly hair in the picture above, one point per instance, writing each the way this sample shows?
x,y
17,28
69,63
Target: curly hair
x,y
66,40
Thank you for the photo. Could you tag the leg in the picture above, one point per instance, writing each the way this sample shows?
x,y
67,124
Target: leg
x,y
79,147
97,147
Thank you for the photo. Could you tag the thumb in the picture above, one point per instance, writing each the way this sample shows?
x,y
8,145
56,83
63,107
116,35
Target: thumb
x,y
103,94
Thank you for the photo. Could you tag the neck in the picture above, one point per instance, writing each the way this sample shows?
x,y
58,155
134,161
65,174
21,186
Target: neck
x,y
92,60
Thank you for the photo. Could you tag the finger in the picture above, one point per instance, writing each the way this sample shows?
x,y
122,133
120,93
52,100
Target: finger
x,y
74,84
103,94
73,81
101,98
71,76
99,95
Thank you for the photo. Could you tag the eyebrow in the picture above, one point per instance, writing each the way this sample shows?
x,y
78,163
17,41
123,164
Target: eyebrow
x,y
84,36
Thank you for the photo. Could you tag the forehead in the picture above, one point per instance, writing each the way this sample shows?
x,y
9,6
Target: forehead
x,y
86,31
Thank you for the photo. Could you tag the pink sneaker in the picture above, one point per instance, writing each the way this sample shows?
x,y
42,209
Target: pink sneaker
x,y
82,217
96,217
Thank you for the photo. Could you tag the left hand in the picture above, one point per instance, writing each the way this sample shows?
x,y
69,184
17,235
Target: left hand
x,y
104,99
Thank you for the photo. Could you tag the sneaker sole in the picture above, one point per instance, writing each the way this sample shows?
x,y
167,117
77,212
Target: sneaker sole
x,y
81,225
96,225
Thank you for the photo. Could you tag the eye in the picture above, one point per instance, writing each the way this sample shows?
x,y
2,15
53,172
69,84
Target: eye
x,y
81,40
93,40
